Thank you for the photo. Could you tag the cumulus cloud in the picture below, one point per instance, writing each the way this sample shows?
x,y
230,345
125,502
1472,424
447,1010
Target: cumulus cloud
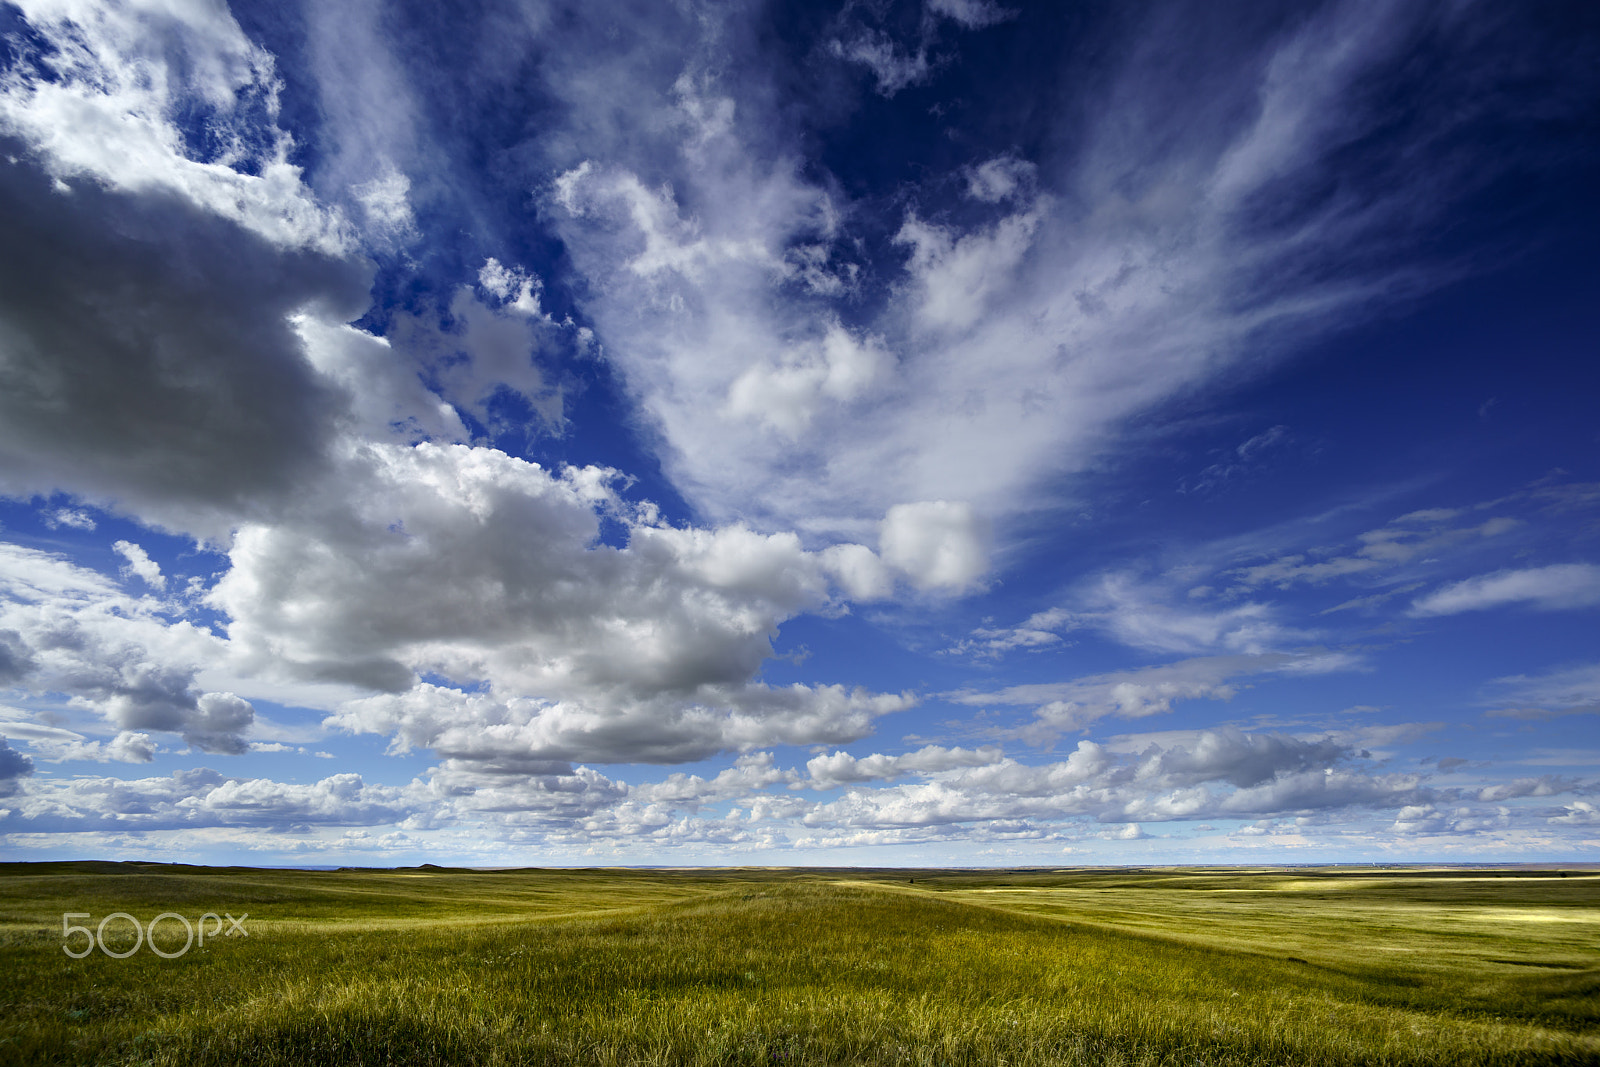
x,y
488,351
146,357
1215,773
57,745
177,345
73,631
1563,586
199,798
1310,791
517,732
486,569
1429,819
1545,785
838,367
1578,813
100,99
1244,760
140,564
938,544
841,768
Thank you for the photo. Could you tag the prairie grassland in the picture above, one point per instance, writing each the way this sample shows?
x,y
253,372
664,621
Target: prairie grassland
x,y
810,967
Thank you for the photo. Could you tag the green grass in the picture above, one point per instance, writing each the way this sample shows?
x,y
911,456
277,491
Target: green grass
x,y
811,967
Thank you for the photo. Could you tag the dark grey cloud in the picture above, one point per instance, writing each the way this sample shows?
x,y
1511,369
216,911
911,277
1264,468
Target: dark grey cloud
x,y
1230,755
15,658
13,765
147,359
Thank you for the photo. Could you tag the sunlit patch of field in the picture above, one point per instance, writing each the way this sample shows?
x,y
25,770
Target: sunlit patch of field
x,y
1453,920
811,967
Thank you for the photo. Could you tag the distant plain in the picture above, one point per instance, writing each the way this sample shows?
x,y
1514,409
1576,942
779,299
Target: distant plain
x,y
1170,966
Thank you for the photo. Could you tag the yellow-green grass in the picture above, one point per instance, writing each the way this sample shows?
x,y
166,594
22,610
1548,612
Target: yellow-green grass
x,y
801,967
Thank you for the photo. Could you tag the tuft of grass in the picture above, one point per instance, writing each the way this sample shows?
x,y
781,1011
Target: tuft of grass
x,y
810,967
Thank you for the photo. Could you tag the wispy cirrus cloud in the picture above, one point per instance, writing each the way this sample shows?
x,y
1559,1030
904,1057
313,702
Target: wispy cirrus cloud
x,y
1146,691
1559,587
1016,343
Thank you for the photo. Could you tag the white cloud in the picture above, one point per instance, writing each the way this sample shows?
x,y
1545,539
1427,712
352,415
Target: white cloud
x,y
515,288
1001,178
971,14
72,631
1316,790
837,368
1146,691
75,518
373,157
1243,460
953,279
893,68
1564,586
1135,615
1223,773
841,768
1022,342
938,544
486,569
517,732
1543,786
200,798
1038,631
384,387
488,350
56,745
1567,688
858,570
1429,820
99,106
1578,813
386,205
140,563
749,773
1419,535
896,65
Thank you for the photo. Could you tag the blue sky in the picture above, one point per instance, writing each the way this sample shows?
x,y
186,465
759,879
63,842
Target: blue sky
x,y
864,433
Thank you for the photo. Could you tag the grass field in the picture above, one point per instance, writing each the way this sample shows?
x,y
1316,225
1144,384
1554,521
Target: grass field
x,y
1162,966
